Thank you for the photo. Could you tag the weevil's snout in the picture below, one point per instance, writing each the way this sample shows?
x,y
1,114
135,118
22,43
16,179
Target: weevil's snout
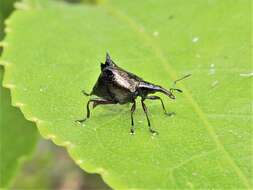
x,y
151,88
165,91
172,96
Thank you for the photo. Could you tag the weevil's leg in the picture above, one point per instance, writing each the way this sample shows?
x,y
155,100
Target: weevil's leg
x,y
146,113
88,112
96,102
132,119
101,101
158,98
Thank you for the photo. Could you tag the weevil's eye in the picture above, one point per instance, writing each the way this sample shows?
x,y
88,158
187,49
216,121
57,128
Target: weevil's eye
x,y
102,65
107,73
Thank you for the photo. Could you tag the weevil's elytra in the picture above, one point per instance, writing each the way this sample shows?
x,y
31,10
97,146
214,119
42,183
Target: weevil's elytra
x,y
117,86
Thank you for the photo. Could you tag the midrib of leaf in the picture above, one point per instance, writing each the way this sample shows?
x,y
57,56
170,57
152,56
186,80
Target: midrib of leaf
x,y
133,25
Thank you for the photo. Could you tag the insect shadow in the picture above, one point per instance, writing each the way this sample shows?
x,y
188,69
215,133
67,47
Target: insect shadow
x,y
118,86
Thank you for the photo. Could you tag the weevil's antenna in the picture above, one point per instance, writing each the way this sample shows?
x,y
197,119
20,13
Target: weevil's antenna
x,y
175,82
85,93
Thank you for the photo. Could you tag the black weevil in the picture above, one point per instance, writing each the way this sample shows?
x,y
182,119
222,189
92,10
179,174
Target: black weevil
x,y
115,85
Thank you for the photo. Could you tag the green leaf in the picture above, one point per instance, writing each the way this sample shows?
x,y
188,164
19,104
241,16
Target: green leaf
x,y
18,137
54,51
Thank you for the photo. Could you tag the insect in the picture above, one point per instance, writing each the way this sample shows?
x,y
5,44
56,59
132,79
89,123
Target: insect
x,y
117,86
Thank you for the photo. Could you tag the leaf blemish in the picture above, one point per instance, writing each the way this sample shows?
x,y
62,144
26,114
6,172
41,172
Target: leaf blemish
x,y
195,39
246,74
155,33
215,83
212,69
171,17
194,174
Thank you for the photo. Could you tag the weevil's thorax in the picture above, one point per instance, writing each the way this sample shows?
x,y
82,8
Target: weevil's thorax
x,y
115,84
100,89
122,86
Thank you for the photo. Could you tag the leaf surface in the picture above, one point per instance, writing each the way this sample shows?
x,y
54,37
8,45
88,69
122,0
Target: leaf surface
x,y
54,51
